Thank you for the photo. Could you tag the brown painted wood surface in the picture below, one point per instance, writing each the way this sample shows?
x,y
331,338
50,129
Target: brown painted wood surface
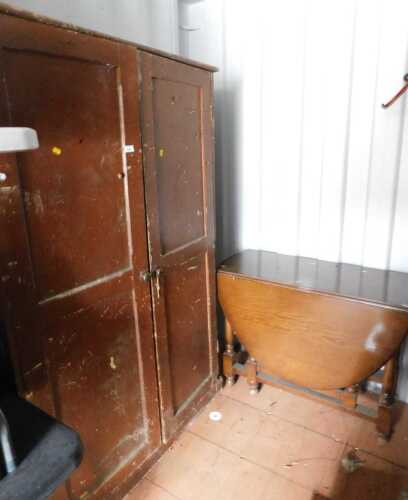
x,y
12,11
178,151
321,340
73,244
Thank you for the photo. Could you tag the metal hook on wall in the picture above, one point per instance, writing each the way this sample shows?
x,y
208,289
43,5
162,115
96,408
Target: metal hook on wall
x,y
397,96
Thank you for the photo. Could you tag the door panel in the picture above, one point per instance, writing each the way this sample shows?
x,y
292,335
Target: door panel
x,y
78,314
178,156
104,370
177,110
63,186
187,327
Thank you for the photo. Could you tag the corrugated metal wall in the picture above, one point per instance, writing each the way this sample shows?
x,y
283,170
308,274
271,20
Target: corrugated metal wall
x,y
322,166
308,161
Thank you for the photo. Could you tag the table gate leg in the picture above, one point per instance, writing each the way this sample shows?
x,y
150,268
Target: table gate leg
x,y
229,355
384,418
251,371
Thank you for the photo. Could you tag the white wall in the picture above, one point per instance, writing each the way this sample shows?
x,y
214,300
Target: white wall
x,y
149,22
308,163
315,165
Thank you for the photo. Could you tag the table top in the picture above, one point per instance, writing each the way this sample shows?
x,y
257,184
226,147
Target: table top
x,y
389,288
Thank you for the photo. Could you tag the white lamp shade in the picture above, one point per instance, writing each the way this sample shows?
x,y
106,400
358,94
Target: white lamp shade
x,y
14,139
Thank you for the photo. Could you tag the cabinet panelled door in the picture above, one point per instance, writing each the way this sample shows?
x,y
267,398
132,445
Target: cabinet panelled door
x,y
178,160
80,316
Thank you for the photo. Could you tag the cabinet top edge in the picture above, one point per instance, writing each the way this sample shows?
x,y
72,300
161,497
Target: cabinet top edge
x,y
8,10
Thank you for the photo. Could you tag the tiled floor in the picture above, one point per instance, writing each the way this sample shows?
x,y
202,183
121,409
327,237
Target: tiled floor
x,y
277,446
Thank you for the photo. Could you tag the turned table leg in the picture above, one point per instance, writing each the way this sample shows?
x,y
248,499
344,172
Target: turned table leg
x,y
384,418
228,357
251,369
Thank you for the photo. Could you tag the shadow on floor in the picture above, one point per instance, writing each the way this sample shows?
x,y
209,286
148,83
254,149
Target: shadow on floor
x,y
367,484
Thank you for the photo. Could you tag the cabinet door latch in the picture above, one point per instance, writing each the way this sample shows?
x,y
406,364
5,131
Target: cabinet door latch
x,y
146,276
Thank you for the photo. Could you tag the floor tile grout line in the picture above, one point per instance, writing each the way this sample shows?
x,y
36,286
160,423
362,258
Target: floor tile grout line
x,y
164,489
248,460
347,443
287,420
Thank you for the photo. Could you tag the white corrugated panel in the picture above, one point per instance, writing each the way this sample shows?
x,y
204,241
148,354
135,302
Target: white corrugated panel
x,y
308,162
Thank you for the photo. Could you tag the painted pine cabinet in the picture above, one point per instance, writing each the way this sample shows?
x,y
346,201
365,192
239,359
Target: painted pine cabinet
x,y
107,246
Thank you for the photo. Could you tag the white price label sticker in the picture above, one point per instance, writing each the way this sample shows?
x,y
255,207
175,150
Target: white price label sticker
x,y
129,148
